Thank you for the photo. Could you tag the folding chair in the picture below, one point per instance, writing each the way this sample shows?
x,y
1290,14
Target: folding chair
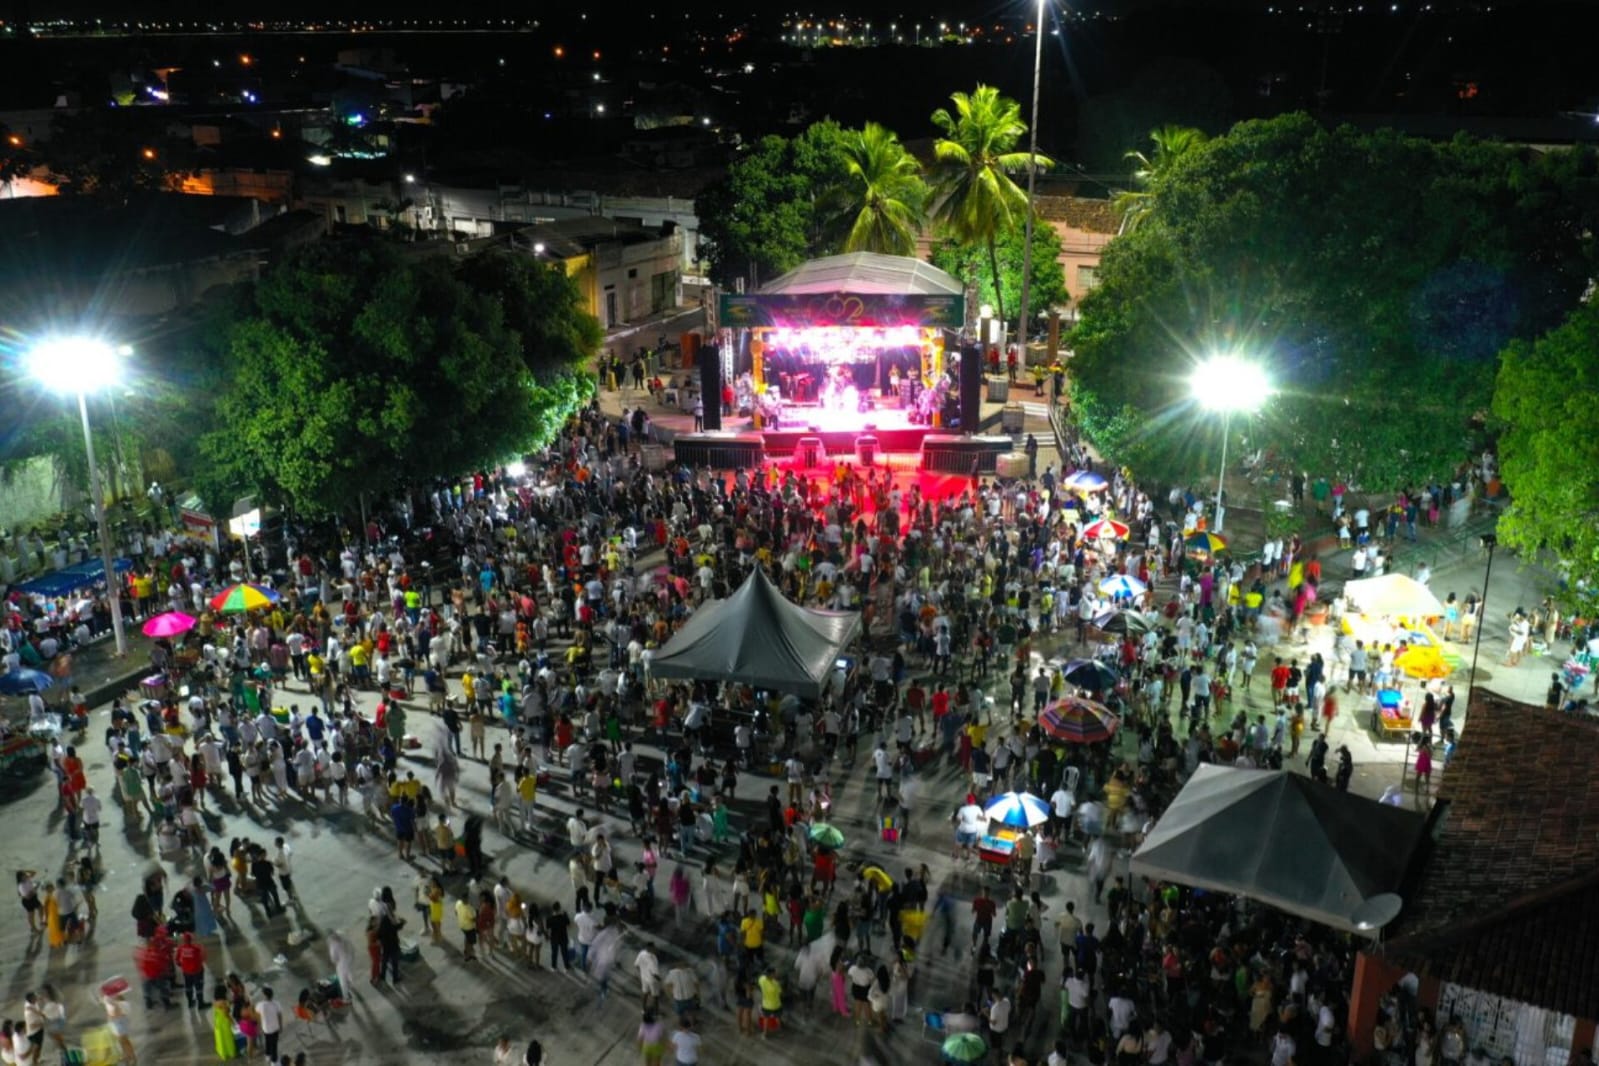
x,y
933,1026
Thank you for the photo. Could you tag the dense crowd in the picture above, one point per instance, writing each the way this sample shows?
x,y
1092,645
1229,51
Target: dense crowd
x,y
517,615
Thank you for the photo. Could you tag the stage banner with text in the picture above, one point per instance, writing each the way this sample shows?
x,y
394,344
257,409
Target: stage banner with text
x,y
869,311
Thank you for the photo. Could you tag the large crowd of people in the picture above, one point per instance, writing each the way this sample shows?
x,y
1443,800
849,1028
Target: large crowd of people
x,y
504,630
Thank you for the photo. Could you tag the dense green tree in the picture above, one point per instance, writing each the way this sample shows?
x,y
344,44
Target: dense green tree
x,y
882,195
974,198
1171,144
970,263
768,216
354,368
1376,275
1549,450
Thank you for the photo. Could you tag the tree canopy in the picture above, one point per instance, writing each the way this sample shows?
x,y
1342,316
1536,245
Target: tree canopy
x,y
882,195
974,198
768,215
1549,451
969,262
1375,275
353,367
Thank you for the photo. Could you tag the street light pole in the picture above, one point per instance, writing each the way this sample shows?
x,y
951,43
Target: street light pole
x,y
1032,177
1489,541
1221,476
113,587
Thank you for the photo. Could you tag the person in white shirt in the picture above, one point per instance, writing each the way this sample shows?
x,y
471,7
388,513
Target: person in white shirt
x,y
271,1016
649,976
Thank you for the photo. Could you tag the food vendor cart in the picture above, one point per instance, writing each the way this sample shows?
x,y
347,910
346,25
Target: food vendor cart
x,y
1390,714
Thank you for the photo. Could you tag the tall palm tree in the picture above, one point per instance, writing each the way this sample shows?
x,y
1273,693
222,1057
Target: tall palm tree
x,y
1171,143
882,193
974,196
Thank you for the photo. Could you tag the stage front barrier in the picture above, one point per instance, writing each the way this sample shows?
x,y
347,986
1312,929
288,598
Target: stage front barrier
x,y
866,449
810,451
947,454
720,451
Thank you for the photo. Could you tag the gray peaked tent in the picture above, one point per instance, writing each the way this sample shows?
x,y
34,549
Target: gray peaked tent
x,y
758,637
1282,839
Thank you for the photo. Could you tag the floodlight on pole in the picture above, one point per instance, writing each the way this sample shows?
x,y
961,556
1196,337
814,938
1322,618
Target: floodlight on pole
x,y
78,365
1228,384
1032,178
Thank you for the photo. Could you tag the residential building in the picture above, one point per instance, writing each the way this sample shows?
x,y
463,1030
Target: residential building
x,y
1085,225
1500,925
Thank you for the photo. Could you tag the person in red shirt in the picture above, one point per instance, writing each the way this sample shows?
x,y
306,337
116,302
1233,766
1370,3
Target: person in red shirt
x,y
983,911
154,959
190,958
1279,683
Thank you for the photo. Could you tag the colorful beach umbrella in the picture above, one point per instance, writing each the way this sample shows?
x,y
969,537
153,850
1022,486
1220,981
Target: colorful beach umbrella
x,y
1084,481
1120,585
1120,622
1021,810
1090,674
965,1048
1079,721
169,624
1106,529
826,836
237,598
1205,543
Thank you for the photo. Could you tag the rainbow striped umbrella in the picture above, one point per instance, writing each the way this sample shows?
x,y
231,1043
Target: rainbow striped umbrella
x,y
1079,721
1107,529
238,598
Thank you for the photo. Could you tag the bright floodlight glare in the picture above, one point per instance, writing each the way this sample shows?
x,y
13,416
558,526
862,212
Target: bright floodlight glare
x,y
75,364
1230,384
516,468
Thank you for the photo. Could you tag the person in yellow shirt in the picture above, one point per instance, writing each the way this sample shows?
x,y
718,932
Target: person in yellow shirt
x,y
771,1001
527,792
360,663
469,688
753,928
978,734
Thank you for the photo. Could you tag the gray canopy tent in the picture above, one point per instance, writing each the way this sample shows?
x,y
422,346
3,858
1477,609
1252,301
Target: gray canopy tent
x,y
757,637
1282,839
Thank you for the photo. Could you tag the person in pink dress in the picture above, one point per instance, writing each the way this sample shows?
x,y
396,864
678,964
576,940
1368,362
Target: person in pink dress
x,y
1424,766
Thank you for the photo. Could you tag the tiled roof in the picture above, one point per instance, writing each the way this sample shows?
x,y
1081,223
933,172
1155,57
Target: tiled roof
x,y
1080,213
1545,953
1508,902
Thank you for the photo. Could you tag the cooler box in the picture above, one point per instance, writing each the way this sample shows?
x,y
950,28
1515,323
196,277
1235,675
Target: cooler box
x,y
1011,465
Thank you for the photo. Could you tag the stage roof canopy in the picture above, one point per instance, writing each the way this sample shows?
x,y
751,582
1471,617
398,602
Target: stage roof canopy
x,y
864,274
758,637
1282,839
862,290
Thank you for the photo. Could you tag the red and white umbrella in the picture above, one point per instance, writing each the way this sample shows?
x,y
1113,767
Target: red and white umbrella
x,y
1106,529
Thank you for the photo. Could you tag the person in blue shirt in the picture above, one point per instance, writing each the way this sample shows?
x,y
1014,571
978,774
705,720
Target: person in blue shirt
x,y
404,817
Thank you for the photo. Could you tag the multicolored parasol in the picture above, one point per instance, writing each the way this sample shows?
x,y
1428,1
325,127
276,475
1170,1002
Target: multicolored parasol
x,y
1106,529
1079,721
237,598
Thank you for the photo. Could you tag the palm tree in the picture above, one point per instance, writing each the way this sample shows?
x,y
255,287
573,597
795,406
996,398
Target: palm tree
x,y
882,193
1171,143
974,197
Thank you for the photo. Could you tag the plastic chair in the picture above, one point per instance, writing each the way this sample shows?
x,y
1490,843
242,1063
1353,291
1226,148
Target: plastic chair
x,y
933,1026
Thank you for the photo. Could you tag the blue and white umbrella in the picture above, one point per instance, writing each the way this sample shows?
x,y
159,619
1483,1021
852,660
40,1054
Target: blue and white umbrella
x,y
1122,585
1084,481
1021,810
